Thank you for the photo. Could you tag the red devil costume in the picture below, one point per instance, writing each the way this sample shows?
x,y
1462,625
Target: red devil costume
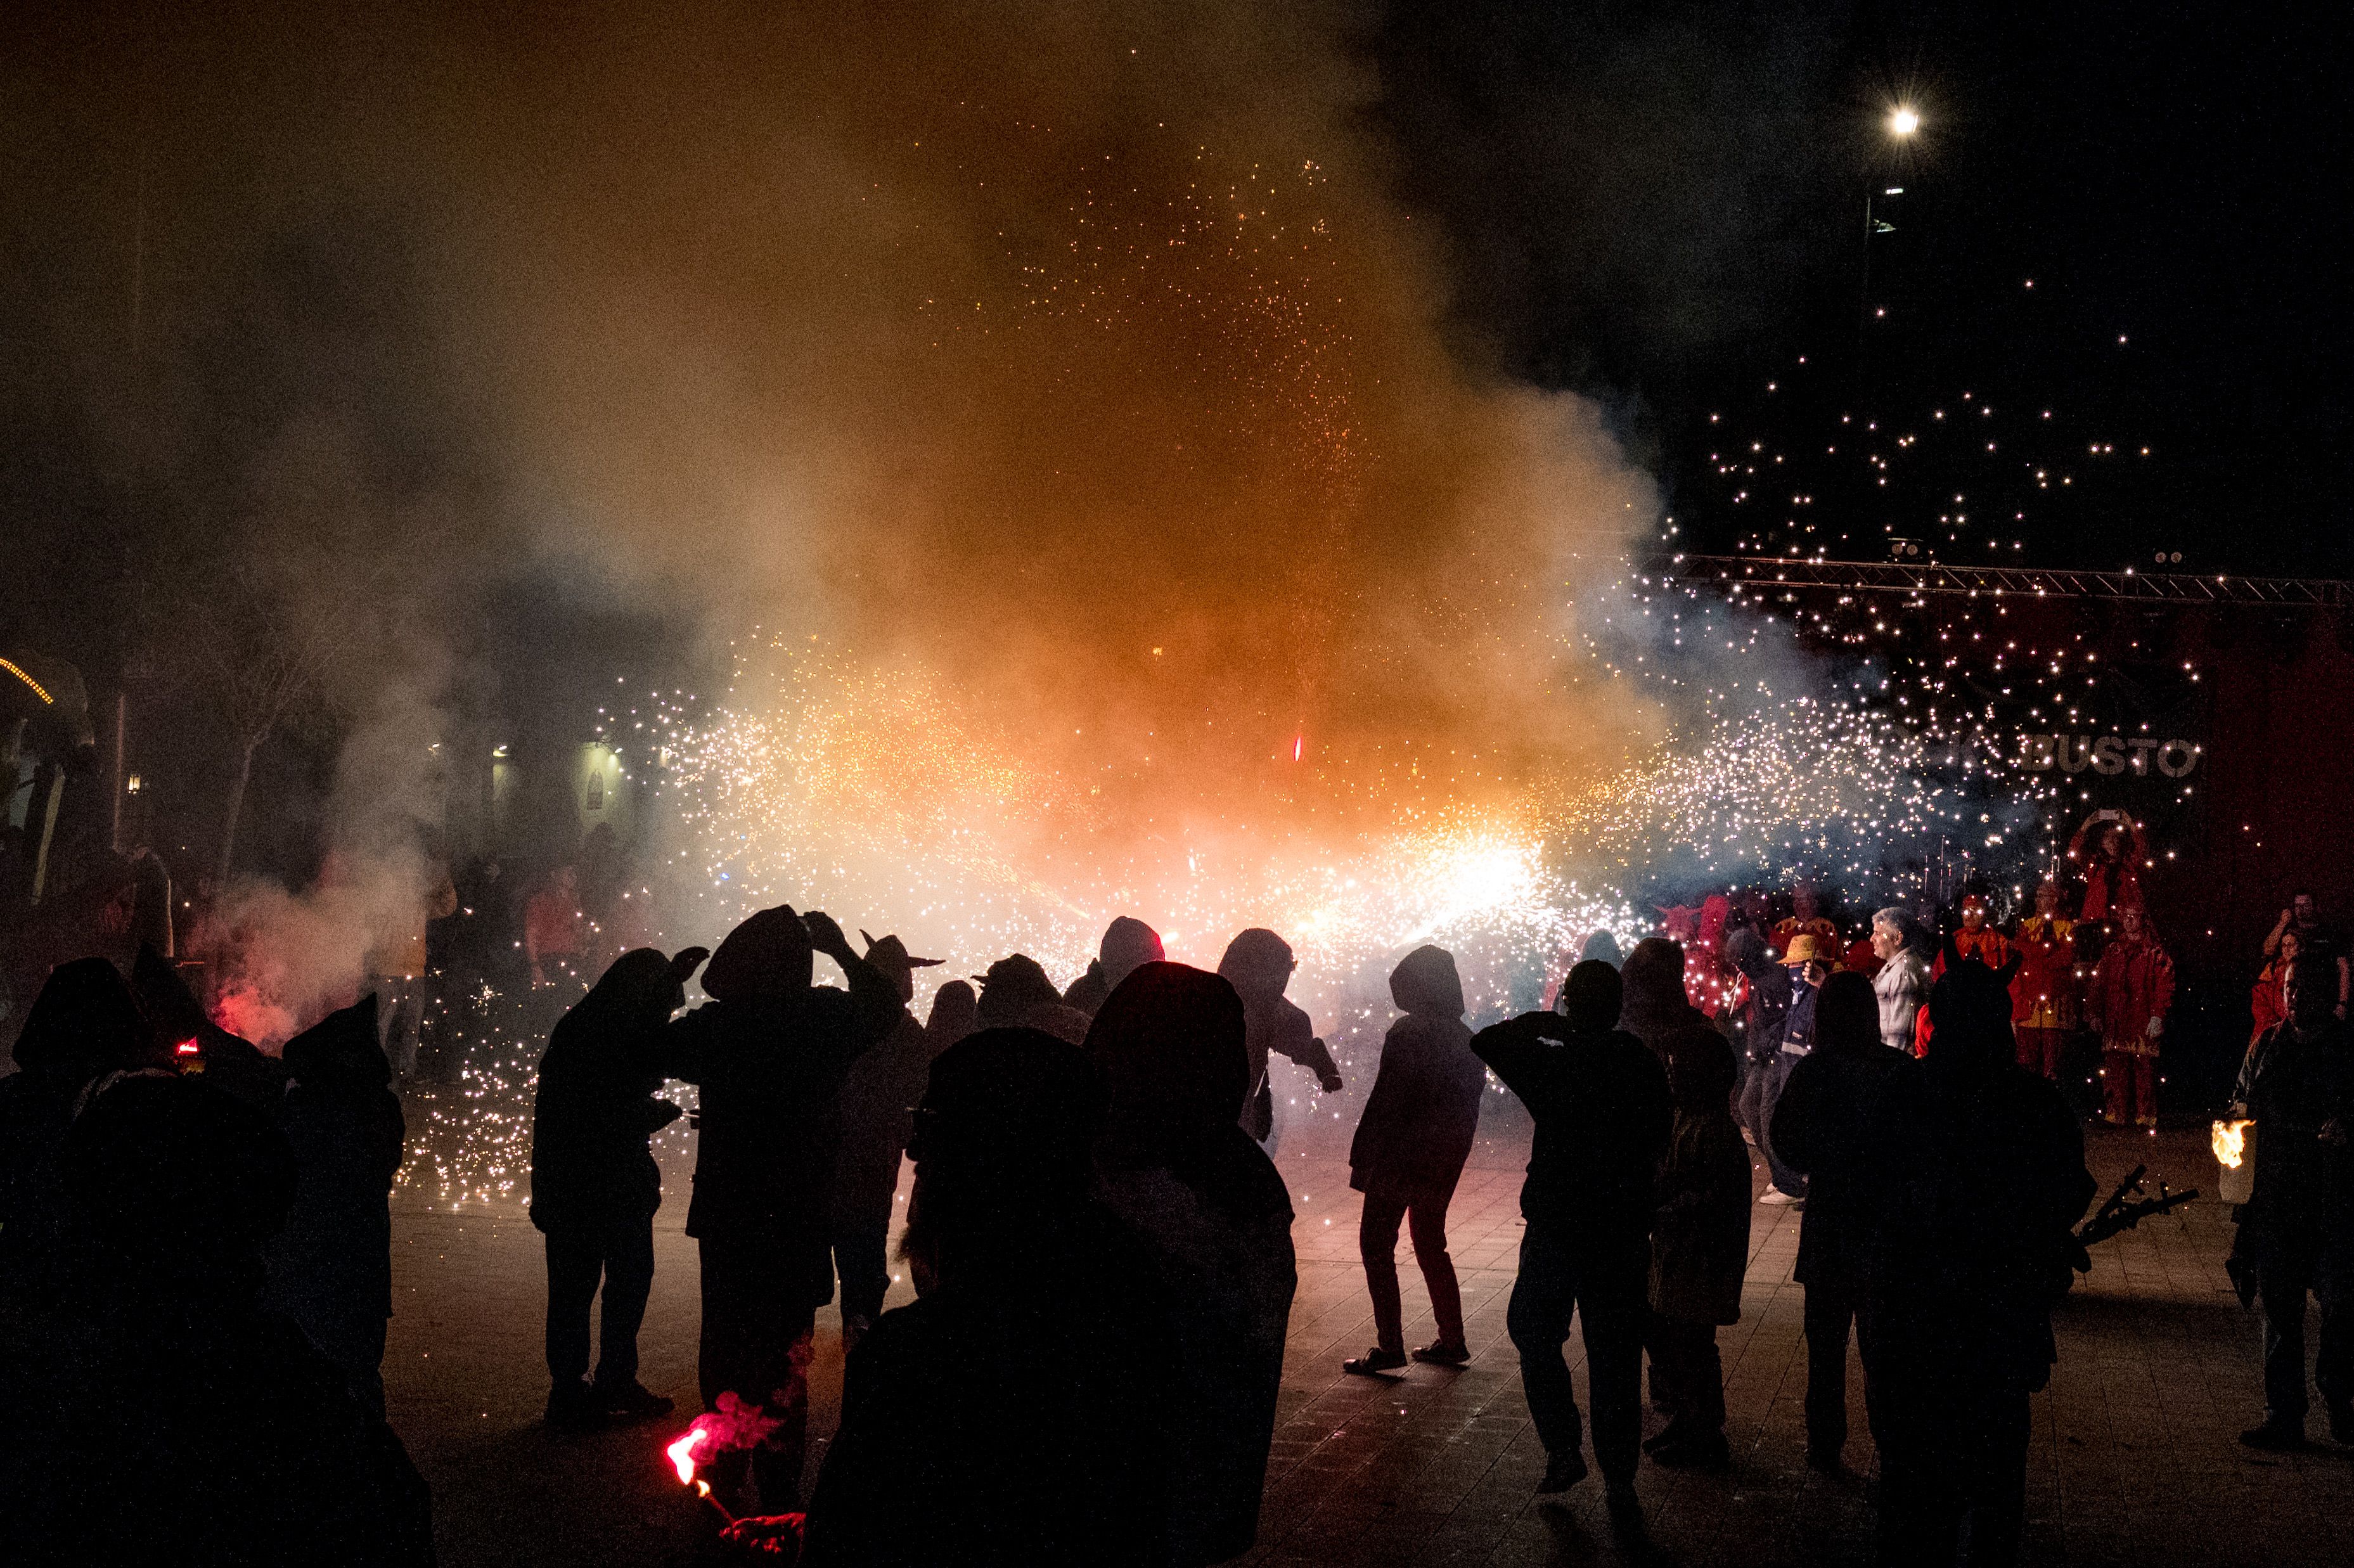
x,y
2132,988
2043,1006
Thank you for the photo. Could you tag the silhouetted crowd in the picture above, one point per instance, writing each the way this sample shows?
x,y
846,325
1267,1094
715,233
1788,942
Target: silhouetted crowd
x,y
195,1281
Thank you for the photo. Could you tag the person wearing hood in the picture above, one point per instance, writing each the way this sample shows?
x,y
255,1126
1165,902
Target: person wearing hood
x,y
195,1043
1408,1154
769,1052
330,1264
1656,1007
83,1028
594,1182
1700,1250
1127,942
956,1016
1016,994
1258,965
1978,1180
1821,1126
1601,1104
1175,1162
1017,1413
184,1422
2127,999
877,1100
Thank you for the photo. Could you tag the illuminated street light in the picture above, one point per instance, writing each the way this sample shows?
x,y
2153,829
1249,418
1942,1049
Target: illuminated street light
x,y
1903,123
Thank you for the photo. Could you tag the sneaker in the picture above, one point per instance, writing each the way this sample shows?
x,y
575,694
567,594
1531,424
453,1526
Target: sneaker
x,y
1779,1199
1439,1353
1375,1362
1562,1471
574,1408
2275,1437
632,1401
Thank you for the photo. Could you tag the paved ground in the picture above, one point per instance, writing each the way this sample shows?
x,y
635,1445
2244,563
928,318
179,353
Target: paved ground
x,y
2135,1458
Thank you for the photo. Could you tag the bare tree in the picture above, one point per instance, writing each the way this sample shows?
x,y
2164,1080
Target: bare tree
x,y
266,653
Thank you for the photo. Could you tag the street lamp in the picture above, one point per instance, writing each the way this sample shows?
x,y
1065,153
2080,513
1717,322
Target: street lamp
x,y
1903,122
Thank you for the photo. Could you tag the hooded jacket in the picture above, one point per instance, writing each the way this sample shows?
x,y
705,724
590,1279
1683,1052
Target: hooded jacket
x,y
592,1170
1424,1111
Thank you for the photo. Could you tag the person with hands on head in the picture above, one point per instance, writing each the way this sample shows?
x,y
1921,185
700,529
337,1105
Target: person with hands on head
x,y
769,1052
594,1182
1258,964
1600,1100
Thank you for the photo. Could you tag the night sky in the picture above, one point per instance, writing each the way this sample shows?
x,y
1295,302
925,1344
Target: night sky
x,y
2164,173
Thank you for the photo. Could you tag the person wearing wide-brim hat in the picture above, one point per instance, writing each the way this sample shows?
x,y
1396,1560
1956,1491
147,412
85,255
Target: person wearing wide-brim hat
x,y
1807,958
877,1099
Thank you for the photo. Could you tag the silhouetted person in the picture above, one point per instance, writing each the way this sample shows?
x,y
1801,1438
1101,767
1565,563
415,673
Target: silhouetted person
x,y
1408,1154
186,1424
1979,1172
1258,965
1822,1125
1600,1101
82,1026
769,1052
1759,1024
1656,1005
594,1184
330,1264
1175,1164
1017,1413
956,1014
1700,1250
176,1021
1127,943
1016,994
2298,1228
1602,948
877,1099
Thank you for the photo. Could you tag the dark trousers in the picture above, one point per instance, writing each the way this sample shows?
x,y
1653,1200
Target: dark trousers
x,y
1687,1373
756,1345
860,1247
1777,1073
1377,1231
1953,1452
1603,1286
624,1261
1830,1309
2293,1267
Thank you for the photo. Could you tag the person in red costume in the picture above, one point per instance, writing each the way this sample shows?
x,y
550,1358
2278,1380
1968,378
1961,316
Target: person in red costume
x,y
2268,999
2132,989
1807,918
2043,1003
2112,868
1710,983
1977,939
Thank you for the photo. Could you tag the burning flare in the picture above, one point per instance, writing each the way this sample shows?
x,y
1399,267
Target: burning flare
x,y
2231,1137
682,1453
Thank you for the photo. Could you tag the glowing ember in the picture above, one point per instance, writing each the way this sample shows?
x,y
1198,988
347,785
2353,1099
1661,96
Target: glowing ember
x,y
2230,1140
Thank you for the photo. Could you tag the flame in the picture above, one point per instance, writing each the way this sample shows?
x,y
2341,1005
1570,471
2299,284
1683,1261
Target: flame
x,y
2231,1137
702,1489
682,1455
186,1048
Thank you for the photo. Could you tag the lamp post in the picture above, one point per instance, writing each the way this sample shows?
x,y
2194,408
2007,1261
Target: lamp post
x,y
1901,122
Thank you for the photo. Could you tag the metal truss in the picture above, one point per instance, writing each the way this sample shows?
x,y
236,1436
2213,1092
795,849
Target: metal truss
x,y
2008,582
